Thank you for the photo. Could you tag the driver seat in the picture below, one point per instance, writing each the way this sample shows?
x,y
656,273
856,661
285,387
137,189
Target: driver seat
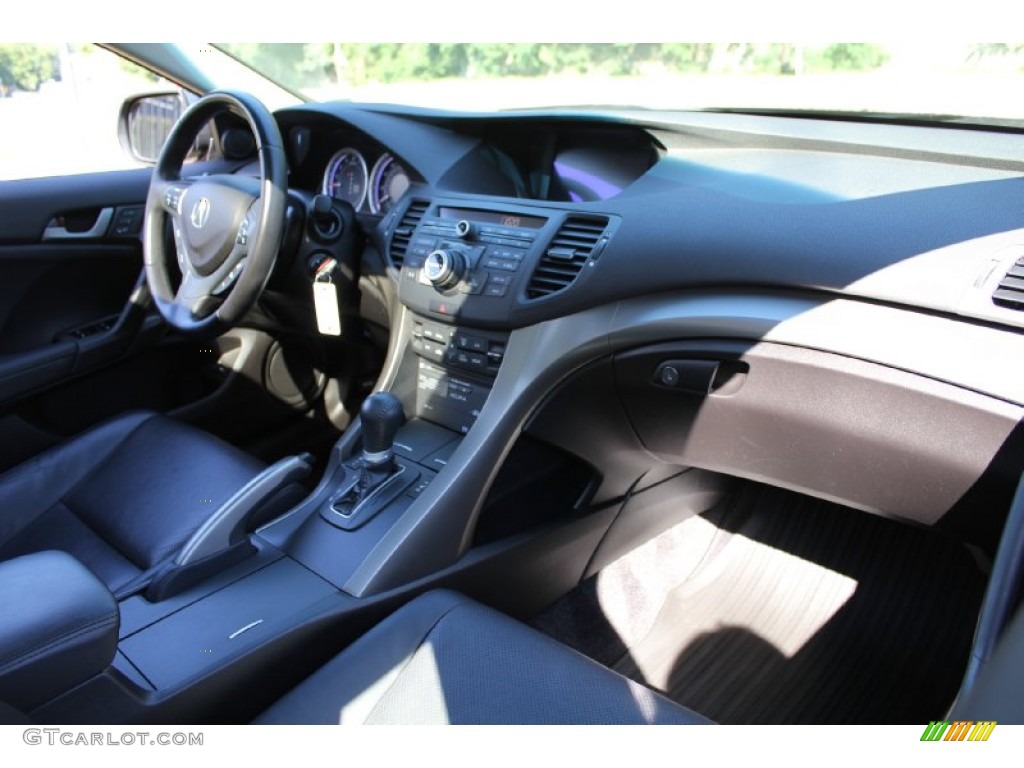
x,y
122,498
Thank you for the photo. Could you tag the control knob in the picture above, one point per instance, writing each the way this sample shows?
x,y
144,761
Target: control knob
x,y
464,229
444,268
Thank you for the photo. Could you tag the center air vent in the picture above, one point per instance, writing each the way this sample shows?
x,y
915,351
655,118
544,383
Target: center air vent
x,y
579,238
404,230
1010,292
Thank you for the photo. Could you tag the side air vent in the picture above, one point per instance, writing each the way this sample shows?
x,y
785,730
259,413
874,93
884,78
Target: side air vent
x,y
579,238
1010,292
403,232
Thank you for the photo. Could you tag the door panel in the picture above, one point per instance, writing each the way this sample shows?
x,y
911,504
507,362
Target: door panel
x,y
77,343
67,270
29,205
49,291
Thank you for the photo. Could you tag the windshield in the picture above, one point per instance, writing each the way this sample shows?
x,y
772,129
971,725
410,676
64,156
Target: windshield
x,y
932,80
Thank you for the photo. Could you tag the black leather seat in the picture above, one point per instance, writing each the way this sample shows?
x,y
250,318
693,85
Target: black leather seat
x,y
446,659
121,498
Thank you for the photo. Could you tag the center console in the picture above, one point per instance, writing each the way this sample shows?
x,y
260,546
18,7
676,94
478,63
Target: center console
x,y
411,474
454,371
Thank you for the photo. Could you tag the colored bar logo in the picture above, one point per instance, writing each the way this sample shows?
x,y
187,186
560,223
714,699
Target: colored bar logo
x,y
958,731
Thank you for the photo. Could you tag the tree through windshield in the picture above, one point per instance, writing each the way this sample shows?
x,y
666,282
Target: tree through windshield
x,y
916,78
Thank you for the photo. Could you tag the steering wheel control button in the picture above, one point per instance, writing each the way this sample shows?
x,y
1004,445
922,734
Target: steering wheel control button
x,y
694,377
224,284
172,198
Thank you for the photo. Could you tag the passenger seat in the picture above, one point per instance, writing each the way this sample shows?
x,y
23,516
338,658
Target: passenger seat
x,y
444,659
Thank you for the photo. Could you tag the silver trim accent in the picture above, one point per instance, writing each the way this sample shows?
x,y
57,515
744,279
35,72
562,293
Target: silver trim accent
x,y
335,473
98,230
437,265
431,533
215,534
332,166
200,212
246,628
362,502
376,174
378,458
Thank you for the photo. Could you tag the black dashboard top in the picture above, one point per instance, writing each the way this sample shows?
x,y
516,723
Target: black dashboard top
x,y
914,216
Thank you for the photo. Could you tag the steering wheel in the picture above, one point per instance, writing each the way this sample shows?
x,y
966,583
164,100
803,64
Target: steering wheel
x,y
227,228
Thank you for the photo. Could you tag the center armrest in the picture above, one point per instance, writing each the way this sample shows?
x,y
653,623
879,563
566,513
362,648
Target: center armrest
x,y
59,627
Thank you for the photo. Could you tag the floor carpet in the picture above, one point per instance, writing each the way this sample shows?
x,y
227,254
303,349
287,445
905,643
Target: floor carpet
x,y
778,608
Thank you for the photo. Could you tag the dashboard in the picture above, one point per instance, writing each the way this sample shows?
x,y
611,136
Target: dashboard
x,y
921,217
507,255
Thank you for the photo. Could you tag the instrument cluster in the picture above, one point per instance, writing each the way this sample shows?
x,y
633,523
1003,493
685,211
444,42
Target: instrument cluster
x,y
367,188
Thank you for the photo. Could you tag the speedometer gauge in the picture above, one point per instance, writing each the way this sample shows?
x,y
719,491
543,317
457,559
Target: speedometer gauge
x,y
388,183
346,177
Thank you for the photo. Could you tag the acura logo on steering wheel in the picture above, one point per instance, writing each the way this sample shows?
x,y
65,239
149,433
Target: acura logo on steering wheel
x,y
200,212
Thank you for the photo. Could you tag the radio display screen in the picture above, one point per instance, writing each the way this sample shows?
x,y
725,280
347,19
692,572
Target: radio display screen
x,y
507,220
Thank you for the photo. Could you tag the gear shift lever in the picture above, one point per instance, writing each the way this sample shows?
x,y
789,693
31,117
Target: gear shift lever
x,y
377,478
382,414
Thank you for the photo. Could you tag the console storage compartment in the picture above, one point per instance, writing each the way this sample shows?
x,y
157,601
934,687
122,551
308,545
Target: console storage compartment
x,y
210,631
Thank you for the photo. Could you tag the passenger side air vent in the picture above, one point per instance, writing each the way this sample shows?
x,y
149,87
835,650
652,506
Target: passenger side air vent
x,y
403,232
1010,292
579,238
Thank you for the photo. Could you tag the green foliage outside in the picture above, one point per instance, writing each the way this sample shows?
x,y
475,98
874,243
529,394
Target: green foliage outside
x,y
847,56
315,64
25,67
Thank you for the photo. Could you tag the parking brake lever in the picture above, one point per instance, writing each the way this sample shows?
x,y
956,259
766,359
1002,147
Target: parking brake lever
x,y
231,523
224,538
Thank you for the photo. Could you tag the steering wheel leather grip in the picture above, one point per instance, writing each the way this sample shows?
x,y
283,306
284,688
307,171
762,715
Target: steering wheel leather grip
x,y
227,227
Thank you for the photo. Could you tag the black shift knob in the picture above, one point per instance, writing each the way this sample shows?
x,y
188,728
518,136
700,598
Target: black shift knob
x,y
382,414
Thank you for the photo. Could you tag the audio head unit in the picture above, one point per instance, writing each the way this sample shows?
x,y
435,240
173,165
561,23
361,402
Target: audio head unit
x,y
467,263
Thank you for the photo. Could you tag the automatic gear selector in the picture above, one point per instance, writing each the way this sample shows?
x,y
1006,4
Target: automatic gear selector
x,y
382,415
372,478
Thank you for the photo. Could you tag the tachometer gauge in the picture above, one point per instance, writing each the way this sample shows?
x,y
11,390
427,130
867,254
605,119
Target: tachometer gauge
x,y
346,177
388,183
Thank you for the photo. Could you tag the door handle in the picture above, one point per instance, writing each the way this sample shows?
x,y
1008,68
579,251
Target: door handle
x,y
56,230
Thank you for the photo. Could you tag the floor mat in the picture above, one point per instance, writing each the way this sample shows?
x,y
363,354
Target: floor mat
x,y
778,608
